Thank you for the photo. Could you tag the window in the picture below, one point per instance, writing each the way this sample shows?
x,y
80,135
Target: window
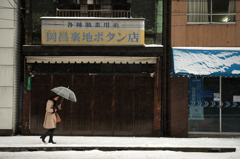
x,y
106,7
86,1
211,11
205,114
96,4
84,7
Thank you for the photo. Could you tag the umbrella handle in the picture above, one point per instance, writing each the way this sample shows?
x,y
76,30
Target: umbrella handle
x,y
62,101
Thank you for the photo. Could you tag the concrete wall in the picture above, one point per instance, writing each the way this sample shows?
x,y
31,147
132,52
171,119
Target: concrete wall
x,y
8,79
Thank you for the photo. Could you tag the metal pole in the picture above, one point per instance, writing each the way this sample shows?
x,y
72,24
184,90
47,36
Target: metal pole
x,y
220,103
158,61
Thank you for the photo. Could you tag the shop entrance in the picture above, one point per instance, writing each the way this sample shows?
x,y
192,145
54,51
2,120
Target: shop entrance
x,y
107,105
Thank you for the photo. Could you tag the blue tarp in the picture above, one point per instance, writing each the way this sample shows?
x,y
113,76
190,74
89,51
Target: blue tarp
x,y
206,61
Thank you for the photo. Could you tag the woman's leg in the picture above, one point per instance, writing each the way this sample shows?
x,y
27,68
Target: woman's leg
x,y
51,136
45,135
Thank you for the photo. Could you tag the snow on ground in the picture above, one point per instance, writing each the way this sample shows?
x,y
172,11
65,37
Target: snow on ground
x,y
69,141
95,154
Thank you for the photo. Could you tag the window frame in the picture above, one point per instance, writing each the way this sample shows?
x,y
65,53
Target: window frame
x,y
211,15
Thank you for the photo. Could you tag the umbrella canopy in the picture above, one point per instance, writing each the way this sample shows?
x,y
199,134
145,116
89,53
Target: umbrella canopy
x,y
65,93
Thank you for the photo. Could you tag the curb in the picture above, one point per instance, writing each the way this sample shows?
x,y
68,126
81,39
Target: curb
x,y
183,149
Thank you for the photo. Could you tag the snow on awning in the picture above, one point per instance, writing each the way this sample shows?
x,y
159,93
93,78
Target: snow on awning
x,y
206,61
91,59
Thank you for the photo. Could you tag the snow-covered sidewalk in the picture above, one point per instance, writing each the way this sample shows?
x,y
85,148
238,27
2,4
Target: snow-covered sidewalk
x,y
78,141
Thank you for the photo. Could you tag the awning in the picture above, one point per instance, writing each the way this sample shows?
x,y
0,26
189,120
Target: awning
x,y
206,61
63,50
91,59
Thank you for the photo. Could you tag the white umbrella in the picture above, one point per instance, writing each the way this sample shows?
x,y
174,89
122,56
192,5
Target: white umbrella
x,y
65,93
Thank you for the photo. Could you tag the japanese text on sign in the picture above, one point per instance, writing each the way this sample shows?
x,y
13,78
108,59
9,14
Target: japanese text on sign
x,y
93,33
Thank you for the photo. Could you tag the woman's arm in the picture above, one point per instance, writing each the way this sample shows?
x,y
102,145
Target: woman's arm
x,y
49,107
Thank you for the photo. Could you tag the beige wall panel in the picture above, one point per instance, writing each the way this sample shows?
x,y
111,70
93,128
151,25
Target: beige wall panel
x,y
179,12
206,38
232,42
174,7
215,35
8,15
7,4
197,36
238,23
238,6
173,21
180,34
183,7
232,35
173,36
6,55
6,39
5,118
179,6
223,35
189,35
6,75
180,19
6,97
237,33
237,41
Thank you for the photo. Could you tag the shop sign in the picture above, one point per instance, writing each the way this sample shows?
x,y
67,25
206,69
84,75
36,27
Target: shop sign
x,y
93,31
28,82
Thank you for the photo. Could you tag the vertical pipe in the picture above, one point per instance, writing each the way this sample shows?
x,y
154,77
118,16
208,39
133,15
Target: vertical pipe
x,y
220,105
158,61
113,105
92,106
134,103
211,11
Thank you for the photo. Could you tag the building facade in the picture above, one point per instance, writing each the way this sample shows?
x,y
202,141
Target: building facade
x,y
138,68
108,52
205,90
10,59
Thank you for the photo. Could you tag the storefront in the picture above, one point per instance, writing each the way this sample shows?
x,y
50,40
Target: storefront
x,y
117,84
211,78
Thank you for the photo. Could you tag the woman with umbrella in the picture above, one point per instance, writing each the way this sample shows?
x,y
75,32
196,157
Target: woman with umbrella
x,y
50,118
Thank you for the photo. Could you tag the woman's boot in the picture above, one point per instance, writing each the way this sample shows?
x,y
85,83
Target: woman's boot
x,y
44,136
51,138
